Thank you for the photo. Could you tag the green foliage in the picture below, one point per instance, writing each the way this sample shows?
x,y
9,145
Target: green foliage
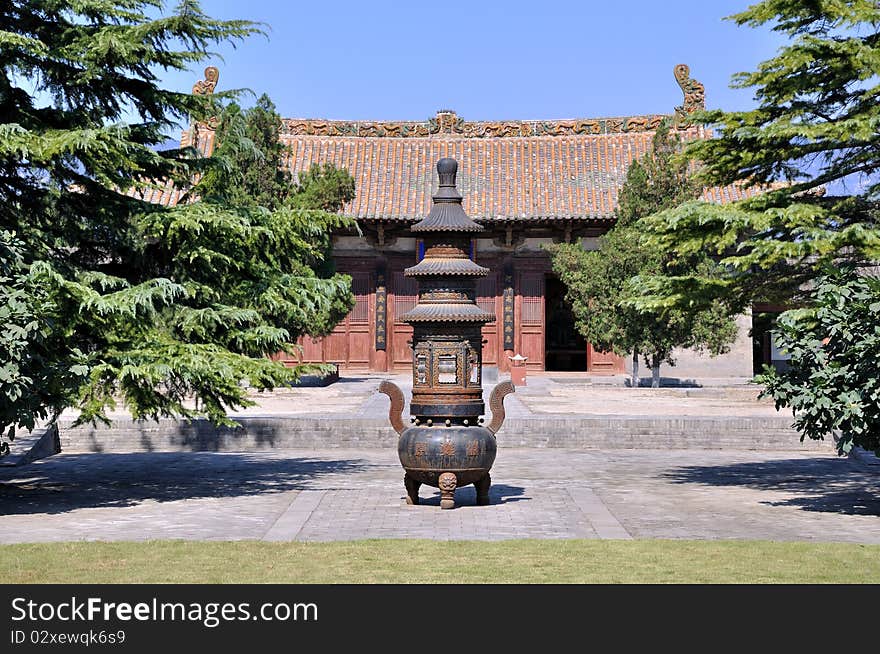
x,y
294,235
34,378
254,170
602,285
831,384
813,146
106,297
323,187
254,155
813,142
658,181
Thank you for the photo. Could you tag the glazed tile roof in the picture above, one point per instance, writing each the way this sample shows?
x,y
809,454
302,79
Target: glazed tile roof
x,y
501,178
507,170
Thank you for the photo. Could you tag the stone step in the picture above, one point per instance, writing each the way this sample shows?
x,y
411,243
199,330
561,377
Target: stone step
x,y
32,445
581,432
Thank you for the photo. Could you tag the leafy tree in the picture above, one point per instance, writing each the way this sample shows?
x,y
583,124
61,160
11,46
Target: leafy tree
x,y
107,297
658,180
601,285
813,145
831,384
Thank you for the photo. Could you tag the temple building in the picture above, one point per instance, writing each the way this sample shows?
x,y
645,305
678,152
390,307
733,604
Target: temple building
x,y
528,182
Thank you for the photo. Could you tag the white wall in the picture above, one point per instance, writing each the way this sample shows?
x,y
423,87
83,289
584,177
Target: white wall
x,y
690,365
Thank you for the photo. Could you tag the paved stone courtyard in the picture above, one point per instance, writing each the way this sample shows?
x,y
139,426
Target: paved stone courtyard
x,y
746,483
352,494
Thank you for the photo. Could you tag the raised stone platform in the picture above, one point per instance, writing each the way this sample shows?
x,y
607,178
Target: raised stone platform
x,y
545,414
581,432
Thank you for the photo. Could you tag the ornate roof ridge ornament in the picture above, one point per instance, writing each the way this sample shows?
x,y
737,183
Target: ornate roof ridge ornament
x,y
694,92
449,124
206,86
201,132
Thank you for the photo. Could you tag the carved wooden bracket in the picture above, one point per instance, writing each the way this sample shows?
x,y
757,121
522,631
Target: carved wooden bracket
x,y
381,238
511,239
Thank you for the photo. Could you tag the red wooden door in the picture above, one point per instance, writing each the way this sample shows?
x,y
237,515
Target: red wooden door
x,y
531,318
487,300
350,343
312,349
359,322
402,298
604,362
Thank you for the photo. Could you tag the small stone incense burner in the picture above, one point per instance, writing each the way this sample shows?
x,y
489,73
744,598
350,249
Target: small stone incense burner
x,y
447,446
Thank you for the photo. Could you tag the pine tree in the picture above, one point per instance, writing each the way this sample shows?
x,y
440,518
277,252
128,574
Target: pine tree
x,y
601,285
108,296
813,145
262,178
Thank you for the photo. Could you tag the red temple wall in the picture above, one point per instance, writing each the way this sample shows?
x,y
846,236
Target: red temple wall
x,y
353,344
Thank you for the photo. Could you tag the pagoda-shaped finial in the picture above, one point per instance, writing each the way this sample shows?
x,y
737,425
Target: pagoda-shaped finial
x,y
447,169
447,213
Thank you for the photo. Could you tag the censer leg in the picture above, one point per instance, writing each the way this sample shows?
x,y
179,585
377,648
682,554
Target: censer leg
x,y
447,483
412,489
482,485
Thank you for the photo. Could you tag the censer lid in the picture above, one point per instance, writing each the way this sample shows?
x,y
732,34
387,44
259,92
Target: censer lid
x,y
447,214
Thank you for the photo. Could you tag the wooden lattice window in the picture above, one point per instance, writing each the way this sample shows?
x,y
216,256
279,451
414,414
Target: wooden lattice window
x,y
360,287
532,290
405,295
486,294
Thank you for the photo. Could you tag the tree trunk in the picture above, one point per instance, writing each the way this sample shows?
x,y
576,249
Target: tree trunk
x,y
655,372
635,371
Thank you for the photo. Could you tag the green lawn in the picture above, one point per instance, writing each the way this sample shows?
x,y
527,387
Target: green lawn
x,y
424,561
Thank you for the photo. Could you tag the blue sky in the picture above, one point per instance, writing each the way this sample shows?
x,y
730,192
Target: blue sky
x,y
486,60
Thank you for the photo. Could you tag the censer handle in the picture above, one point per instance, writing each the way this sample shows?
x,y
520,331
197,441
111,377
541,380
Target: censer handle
x,y
496,404
394,393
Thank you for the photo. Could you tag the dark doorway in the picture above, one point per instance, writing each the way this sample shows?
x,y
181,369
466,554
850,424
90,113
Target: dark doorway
x,y
565,348
764,350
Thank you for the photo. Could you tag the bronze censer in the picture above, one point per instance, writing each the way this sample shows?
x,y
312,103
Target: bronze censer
x,y
447,446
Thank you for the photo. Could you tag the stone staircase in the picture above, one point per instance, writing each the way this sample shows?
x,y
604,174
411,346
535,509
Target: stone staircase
x,y
527,431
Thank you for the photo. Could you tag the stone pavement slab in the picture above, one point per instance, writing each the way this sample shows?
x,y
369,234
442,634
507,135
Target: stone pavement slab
x,y
290,523
351,494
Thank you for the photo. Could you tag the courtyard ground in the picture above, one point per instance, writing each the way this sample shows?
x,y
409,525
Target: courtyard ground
x,y
600,503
